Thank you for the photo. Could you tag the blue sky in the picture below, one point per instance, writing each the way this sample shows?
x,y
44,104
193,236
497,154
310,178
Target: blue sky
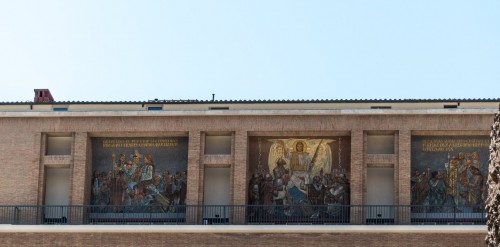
x,y
283,49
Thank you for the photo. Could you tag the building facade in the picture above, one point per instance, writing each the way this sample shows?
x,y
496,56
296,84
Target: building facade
x,y
354,162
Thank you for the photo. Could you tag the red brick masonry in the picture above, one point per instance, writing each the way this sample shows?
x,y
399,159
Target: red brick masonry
x,y
242,235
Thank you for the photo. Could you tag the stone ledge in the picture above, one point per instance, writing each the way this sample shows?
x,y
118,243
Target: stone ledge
x,y
214,159
286,112
244,228
381,159
57,160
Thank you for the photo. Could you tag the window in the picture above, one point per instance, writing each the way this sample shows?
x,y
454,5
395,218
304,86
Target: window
x,y
59,145
218,144
60,109
380,144
381,107
218,108
155,108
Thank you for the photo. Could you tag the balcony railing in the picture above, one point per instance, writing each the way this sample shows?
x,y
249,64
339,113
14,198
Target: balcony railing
x,y
242,215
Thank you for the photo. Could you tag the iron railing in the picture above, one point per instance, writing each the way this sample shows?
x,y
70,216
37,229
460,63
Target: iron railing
x,y
242,214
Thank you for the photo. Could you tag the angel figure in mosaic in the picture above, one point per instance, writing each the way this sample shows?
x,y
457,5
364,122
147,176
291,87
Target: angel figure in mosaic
x,y
277,155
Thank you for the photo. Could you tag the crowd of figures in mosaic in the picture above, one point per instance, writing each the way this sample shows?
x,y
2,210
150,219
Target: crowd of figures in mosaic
x,y
449,174
294,177
130,180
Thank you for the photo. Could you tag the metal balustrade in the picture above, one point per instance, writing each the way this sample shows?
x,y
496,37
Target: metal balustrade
x,y
243,214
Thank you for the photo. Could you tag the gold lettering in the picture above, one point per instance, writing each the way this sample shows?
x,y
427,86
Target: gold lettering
x,y
137,143
447,145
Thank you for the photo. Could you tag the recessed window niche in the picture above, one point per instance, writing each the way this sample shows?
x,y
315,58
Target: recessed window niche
x,y
217,144
380,144
59,145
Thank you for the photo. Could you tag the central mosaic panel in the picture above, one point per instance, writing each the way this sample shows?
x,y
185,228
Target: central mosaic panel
x,y
299,176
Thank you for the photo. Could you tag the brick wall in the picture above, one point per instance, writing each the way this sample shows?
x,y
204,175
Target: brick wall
x,y
23,159
269,239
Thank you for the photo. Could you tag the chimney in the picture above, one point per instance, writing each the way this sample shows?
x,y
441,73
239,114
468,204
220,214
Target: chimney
x,y
43,95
